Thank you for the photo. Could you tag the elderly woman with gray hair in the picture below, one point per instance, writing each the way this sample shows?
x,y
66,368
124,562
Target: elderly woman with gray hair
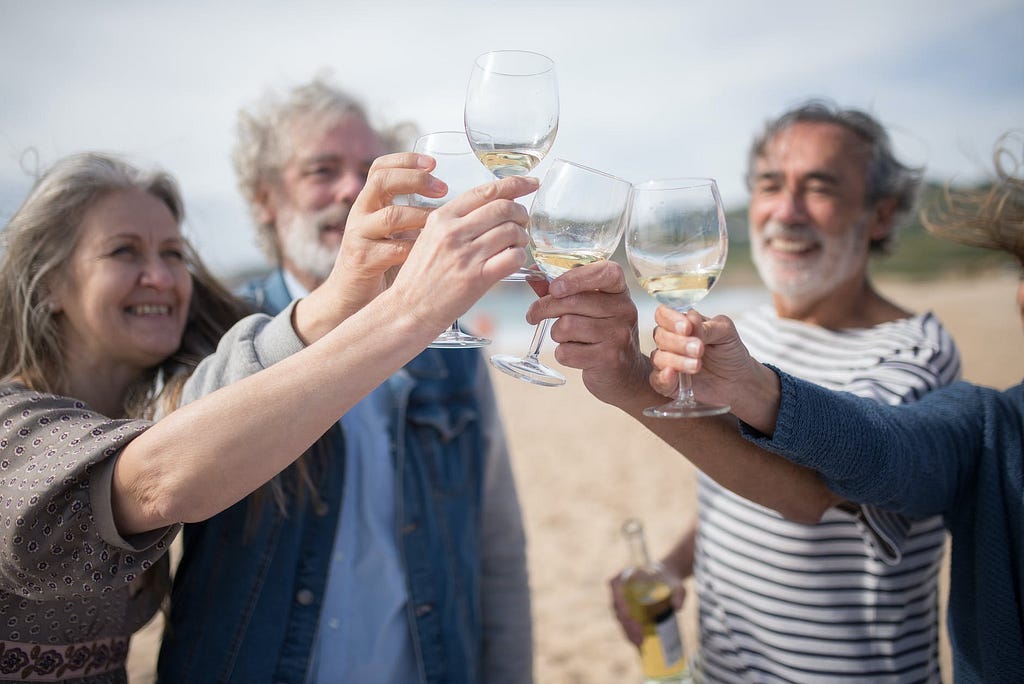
x,y
109,318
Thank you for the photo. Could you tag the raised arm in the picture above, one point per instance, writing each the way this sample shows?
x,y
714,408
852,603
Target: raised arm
x,y
213,452
911,459
597,333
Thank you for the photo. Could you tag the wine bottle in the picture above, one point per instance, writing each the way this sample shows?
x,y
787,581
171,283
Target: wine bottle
x,y
647,587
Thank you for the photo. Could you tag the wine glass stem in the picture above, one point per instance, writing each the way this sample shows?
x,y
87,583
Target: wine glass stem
x,y
684,395
455,330
538,337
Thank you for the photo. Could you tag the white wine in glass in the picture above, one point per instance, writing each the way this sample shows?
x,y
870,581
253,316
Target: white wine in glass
x,y
676,244
511,116
511,113
577,218
457,166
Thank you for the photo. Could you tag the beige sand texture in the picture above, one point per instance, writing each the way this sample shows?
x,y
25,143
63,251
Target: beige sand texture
x,y
583,468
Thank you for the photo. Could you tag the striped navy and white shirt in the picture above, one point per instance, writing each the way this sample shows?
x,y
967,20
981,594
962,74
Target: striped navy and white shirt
x,y
853,598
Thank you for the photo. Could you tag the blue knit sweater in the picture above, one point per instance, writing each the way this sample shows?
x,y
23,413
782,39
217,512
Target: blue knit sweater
x,y
956,452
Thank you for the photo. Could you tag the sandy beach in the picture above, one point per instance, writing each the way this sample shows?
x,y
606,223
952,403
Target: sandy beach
x,y
583,467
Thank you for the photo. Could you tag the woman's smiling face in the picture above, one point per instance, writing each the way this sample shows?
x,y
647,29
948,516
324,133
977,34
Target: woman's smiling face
x,y
123,301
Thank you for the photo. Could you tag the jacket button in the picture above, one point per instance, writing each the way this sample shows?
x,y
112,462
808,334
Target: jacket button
x,y
304,597
423,609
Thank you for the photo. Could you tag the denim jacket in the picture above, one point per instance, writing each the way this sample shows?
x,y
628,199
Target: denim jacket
x,y
247,596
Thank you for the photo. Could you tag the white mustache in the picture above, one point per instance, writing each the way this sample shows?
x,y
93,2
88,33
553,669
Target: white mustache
x,y
331,217
776,229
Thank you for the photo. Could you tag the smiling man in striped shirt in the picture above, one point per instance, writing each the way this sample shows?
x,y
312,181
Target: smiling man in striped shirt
x,y
854,597
832,592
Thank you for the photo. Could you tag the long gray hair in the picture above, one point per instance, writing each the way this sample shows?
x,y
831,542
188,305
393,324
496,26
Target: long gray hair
x,y
887,176
38,243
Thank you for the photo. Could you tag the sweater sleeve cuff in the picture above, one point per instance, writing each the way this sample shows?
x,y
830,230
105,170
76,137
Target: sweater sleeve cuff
x,y
783,422
101,501
278,339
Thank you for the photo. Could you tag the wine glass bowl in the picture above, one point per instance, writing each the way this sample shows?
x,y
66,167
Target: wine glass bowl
x,y
577,217
676,245
457,166
511,112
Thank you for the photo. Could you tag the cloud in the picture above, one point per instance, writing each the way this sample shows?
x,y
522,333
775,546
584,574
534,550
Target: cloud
x,y
648,88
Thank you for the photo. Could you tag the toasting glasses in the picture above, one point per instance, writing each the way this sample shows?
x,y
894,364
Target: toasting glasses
x,y
511,115
577,218
458,167
676,243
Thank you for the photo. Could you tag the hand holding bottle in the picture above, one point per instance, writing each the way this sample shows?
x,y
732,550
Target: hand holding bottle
x,y
646,597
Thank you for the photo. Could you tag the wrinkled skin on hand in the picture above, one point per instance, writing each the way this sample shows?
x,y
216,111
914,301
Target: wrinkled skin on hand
x,y
708,348
596,330
368,249
464,248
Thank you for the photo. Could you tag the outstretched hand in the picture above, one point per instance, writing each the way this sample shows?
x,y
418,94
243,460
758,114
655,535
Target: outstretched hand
x,y
596,331
465,247
722,369
369,247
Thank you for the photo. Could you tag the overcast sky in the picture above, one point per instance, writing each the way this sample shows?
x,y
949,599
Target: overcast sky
x,y
648,88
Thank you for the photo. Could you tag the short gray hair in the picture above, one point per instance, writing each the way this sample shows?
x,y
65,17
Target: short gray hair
x,y
264,139
887,176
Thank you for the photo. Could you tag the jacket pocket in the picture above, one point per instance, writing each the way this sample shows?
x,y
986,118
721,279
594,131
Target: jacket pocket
x,y
444,439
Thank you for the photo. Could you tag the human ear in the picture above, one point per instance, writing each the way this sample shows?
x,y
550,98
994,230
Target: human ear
x,y
265,205
882,215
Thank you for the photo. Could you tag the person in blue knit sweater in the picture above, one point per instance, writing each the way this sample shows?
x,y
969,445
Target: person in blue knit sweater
x,y
957,452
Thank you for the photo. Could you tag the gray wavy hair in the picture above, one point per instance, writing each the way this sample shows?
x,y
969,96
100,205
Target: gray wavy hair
x,y
37,244
887,176
264,142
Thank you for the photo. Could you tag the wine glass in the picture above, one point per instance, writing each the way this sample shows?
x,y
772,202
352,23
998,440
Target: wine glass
x,y
577,218
511,115
458,167
676,243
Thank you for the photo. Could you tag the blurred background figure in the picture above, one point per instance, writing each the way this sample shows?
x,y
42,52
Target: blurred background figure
x,y
398,553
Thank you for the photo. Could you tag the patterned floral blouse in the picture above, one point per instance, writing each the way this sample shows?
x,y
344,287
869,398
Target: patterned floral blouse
x,y
72,590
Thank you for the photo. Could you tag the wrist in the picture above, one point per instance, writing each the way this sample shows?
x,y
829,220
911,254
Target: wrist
x,y
758,404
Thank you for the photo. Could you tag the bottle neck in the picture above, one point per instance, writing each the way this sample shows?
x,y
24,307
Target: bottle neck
x,y
633,530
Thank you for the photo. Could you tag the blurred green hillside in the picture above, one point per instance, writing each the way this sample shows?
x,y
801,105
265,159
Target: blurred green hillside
x,y
916,254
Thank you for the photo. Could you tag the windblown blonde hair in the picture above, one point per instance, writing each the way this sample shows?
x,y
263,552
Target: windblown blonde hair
x,y
991,217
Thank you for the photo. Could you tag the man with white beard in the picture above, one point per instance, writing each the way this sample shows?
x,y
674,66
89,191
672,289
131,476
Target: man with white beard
x,y
394,551
852,597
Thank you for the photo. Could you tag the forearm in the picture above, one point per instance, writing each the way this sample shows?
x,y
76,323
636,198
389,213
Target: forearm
x,y
208,455
679,560
908,459
717,448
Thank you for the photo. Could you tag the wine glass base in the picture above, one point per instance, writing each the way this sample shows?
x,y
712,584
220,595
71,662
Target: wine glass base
x,y
458,340
528,369
678,410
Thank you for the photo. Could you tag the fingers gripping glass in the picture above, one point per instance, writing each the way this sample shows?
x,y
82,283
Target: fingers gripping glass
x,y
577,218
511,115
676,243
458,167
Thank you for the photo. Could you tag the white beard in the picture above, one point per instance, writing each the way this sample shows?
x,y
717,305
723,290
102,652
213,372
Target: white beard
x,y
301,243
814,276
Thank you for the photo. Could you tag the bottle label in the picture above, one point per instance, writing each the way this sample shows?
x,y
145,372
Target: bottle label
x,y
671,642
